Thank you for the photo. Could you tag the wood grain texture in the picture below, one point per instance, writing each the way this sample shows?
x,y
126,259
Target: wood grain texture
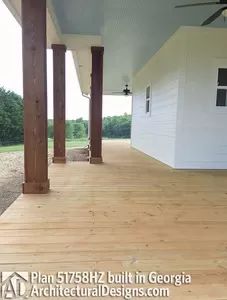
x,y
59,102
35,96
95,131
129,214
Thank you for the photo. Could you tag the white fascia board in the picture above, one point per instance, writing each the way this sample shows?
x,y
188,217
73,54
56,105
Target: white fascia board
x,y
14,7
83,66
79,44
54,35
53,32
77,66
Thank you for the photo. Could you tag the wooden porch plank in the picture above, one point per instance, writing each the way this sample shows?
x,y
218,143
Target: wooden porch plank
x,y
163,220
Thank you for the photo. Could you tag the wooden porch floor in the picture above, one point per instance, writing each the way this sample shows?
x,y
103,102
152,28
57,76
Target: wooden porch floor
x,y
130,214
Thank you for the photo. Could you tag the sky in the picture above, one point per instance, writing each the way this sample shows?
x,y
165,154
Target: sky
x,y
11,74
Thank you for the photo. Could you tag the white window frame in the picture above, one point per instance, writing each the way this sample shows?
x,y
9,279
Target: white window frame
x,y
220,87
148,100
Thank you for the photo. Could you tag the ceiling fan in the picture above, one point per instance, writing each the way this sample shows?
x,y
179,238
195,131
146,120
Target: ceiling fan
x,y
212,18
126,91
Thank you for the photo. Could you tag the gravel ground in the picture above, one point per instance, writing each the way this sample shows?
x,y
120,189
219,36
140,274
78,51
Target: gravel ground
x,y
11,178
11,174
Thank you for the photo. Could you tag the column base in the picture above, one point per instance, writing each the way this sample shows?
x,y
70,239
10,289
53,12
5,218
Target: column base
x,y
95,160
59,160
36,187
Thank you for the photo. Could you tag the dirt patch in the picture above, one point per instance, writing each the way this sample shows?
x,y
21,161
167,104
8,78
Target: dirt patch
x,y
78,154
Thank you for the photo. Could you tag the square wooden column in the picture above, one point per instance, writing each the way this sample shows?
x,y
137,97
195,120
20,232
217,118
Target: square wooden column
x,y
59,102
96,105
35,97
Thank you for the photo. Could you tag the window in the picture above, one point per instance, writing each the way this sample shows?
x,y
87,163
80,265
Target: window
x,y
222,88
148,99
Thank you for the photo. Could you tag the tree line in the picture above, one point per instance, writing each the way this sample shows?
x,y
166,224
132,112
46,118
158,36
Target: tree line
x,y
74,129
11,122
113,127
11,118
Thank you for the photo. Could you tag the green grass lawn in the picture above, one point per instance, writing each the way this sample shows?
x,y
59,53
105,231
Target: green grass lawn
x,y
69,144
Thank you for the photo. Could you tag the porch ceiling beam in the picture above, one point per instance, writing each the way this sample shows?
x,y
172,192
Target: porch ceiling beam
x,y
35,96
59,102
80,42
80,45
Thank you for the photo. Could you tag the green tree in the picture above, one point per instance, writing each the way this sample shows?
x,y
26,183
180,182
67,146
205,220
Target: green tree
x,y
50,129
117,126
79,130
11,118
69,130
85,124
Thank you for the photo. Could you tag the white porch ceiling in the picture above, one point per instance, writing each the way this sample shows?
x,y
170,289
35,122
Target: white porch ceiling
x,y
130,30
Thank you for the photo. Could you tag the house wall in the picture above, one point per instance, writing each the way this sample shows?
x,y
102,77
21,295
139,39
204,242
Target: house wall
x,y
201,125
155,133
185,128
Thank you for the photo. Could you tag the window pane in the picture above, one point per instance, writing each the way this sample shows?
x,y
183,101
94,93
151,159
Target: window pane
x,y
221,97
222,77
148,92
148,106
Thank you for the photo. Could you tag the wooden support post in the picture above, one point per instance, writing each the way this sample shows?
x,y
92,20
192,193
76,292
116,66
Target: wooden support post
x,y
96,105
59,102
35,97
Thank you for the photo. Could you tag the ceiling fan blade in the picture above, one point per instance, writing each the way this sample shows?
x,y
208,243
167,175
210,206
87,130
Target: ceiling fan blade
x,y
197,4
212,18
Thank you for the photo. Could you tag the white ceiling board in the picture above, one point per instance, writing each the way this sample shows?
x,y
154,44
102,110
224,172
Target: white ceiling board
x,y
132,30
